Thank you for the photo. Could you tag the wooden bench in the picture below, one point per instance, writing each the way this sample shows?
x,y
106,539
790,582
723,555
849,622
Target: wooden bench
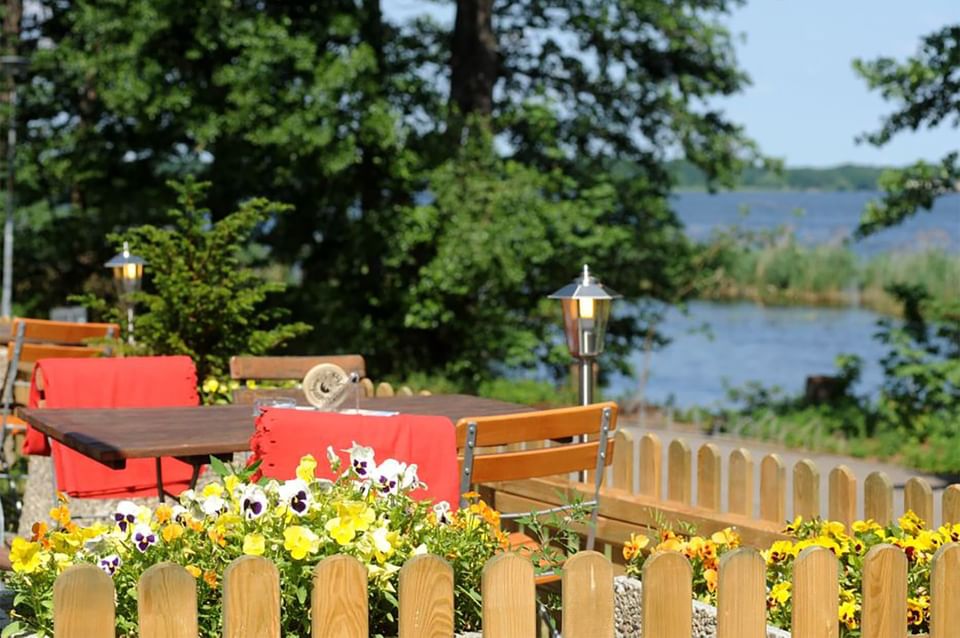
x,y
244,368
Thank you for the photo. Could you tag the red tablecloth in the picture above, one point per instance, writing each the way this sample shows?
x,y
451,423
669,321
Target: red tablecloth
x,y
130,382
283,436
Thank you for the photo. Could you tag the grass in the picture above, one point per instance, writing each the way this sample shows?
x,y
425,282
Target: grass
x,y
784,272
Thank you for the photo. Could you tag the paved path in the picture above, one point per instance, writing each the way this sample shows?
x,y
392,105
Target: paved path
x,y
825,462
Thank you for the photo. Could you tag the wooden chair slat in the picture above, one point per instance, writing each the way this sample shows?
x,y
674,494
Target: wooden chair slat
x,y
536,426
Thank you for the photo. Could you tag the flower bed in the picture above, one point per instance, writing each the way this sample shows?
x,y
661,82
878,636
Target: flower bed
x,y
366,513
909,533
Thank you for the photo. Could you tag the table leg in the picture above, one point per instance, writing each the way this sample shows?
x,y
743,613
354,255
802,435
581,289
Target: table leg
x,y
160,491
195,475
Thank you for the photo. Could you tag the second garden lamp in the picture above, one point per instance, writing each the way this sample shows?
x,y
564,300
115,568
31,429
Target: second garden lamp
x,y
127,277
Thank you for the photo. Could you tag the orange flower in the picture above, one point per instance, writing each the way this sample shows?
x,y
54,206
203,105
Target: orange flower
x,y
39,530
193,570
60,515
163,513
711,577
171,532
210,578
634,546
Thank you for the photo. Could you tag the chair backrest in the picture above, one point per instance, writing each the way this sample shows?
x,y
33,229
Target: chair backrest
x,y
289,368
581,439
35,339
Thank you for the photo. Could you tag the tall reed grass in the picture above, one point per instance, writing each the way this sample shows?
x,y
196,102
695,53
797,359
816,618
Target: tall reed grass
x,y
784,271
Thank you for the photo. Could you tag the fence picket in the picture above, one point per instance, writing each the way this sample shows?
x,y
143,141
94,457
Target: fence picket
x,y
843,496
667,592
426,598
587,584
384,389
773,489
83,604
651,455
806,489
918,497
623,461
741,598
708,477
740,498
368,388
251,599
167,602
678,468
884,612
878,498
509,597
945,592
951,505
405,391
339,598
815,601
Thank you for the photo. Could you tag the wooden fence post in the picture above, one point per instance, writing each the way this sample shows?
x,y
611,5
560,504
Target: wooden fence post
x,y
815,601
918,498
369,390
167,602
587,585
878,498
426,598
708,477
843,496
884,612
667,592
740,498
951,505
338,604
773,489
741,595
945,592
678,468
806,490
509,597
651,451
623,461
83,604
251,599
384,389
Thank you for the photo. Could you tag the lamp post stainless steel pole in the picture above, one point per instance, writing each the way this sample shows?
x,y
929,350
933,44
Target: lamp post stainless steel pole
x,y
586,308
11,66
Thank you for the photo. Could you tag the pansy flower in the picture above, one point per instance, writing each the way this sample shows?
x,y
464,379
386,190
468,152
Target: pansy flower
x,y
126,514
144,537
109,564
213,506
442,511
253,502
391,476
295,494
362,460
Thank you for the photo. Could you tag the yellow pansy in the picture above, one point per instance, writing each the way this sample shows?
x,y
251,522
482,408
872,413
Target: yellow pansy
x,y
671,545
917,609
863,527
254,544
231,482
835,529
25,556
163,513
306,468
779,552
300,541
780,593
384,542
211,385
848,614
635,545
172,532
60,515
214,489
910,523
711,576
726,536
352,517
193,570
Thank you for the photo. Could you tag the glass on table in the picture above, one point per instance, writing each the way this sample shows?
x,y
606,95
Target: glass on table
x,y
260,404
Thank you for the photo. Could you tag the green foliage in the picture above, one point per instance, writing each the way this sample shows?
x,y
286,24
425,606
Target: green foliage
x,y
421,249
202,298
925,89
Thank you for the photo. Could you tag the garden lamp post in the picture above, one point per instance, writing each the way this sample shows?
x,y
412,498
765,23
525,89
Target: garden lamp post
x,y
586,308
127,277
11,65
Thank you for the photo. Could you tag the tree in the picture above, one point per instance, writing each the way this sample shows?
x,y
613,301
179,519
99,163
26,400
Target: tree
x,y
414,157
926,91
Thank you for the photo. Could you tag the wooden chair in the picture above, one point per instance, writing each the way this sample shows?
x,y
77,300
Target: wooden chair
x,y
34,339
595,422
244,368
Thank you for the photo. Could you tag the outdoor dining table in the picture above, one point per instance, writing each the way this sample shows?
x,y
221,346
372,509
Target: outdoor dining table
x,y
194,434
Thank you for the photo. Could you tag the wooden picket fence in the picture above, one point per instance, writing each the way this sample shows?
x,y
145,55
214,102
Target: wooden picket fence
x,y
167,598
634,495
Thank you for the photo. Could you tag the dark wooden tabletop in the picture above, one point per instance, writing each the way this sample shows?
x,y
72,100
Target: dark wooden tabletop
x,y
194,433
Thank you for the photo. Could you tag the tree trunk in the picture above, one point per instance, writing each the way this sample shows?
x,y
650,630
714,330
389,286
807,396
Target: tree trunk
x,y
474,59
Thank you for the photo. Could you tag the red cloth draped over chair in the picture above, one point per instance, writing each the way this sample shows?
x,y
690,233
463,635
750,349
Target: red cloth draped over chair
x,y
283,436
131,382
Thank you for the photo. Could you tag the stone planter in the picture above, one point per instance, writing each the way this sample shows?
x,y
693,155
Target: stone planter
x,y
628,605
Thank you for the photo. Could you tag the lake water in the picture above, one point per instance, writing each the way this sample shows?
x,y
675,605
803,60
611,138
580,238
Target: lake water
x,y
777,346
818,218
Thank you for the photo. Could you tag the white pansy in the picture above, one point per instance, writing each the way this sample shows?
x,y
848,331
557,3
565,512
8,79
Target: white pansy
x,y
442,511
213,506
253,502
362,460
295,494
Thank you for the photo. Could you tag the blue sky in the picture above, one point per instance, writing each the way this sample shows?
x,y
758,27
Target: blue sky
x,y
806,105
